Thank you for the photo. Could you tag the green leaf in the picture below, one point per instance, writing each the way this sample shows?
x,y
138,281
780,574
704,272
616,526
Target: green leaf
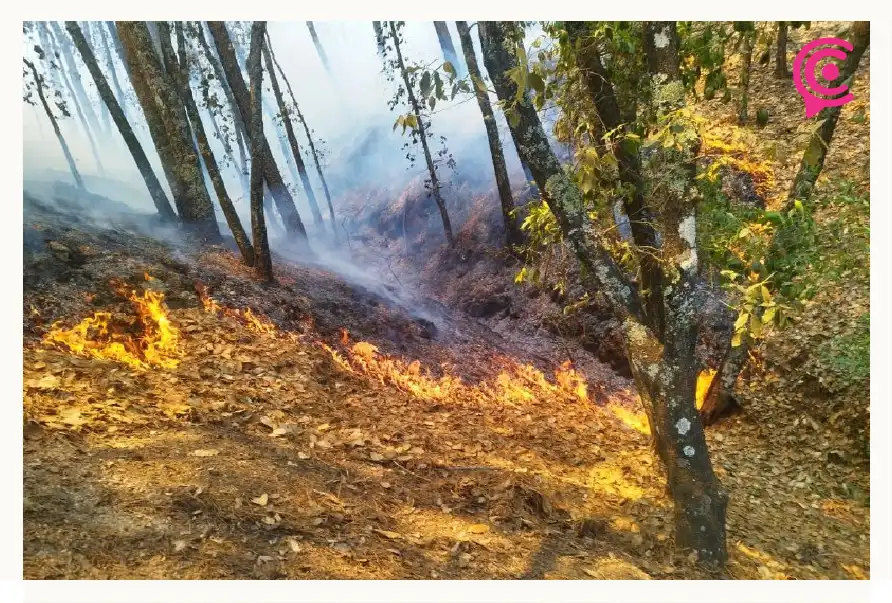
x,y
769,315
411,121
425,84
481,86
438,85
513,118
536,83
433,101
741,320
448,68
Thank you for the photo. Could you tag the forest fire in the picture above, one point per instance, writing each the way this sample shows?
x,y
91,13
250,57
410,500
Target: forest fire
x,y
148,340
516,383
254,322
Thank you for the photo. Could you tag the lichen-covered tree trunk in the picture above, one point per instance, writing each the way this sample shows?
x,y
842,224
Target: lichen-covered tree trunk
x,y
282,196
38,83
746,60
319,50
431,168
170,131
210,162
663,366
263,260
503,185
156,191
819,142
447,47
780,55
309,137
292,140
599,86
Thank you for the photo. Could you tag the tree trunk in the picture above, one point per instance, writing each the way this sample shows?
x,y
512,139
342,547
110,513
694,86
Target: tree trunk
x,y
156,191
512,229
416,109
104,115
379,37
237,122
263,260
819,143
663,366
309,136
292,140
599,86
746,59
94,149
38,83
75,76
318,45
271,174
780,56
210,162
109,58
720,399
166,118
447,47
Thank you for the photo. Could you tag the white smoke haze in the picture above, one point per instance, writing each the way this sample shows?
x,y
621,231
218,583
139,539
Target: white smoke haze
x,y
347,108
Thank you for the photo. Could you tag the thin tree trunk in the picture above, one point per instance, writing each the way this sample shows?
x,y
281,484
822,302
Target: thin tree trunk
x,y
292,140
166,118
241,135
38,83
116,42
746,59
284,147
90,36
416,109
819,143
75,75
271,173
318,45
379,37
210,162
447,47
94,149
720,400
780,56
309,136
122,100
512,229
263,260
159,197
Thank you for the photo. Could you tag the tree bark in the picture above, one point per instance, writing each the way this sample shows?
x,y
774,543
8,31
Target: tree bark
x,y
780,55
663,367
318,45
720,399
109,58
746,59
271,174
263,260
170,130
292,140
38,83
309,137
431,168
90,133
512,229
156,191
819,143
210,162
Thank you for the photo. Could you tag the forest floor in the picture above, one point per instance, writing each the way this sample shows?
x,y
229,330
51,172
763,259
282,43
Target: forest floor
x,y
301,441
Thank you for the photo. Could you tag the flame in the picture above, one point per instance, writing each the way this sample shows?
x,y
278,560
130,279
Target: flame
x,y
515,384
255,322
99,336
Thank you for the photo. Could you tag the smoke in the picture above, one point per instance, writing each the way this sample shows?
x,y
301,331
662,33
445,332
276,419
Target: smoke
x,y
346,107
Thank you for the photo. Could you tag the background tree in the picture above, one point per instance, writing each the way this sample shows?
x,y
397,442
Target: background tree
x,y
416,121
447,47
69,158
263,260
170,130
281,194
156,191
503,184
662,360
747,33
319,49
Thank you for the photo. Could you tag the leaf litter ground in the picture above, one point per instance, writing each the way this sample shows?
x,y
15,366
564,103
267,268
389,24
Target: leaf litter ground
x,y
276,449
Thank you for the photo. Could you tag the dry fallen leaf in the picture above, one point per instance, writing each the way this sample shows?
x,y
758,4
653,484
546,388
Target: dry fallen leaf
x,y
295,546
376,457
388,534
479,528
72,416
205,452
261,500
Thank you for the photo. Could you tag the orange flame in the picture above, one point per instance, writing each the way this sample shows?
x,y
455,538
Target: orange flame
x,y
100,336
254,322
